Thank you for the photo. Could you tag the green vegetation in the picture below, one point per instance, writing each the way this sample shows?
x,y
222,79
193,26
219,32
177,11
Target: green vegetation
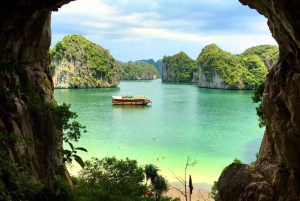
x,y
214,190
245,71
257,98
268,53
14,178
90,64
181,66
111,179
132,71
118,180
158,64
237,161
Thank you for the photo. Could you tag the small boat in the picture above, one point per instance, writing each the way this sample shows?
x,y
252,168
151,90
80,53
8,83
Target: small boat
x,y
130,99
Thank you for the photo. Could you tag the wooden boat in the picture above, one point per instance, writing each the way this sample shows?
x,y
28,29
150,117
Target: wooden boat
x,y
130,99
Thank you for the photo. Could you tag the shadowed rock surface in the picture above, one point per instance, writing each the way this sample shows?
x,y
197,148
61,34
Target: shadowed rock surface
x,y
276,173
25,83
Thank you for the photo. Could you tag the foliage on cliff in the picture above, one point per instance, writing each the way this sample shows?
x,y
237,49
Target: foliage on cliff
x,y
133,71
85,63
244,71
158,64
179,67
268,53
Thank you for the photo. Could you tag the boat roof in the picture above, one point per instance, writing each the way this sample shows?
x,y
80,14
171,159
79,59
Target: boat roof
x,y
117,97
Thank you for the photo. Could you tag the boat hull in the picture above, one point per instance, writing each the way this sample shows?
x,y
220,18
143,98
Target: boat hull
x,y
120,102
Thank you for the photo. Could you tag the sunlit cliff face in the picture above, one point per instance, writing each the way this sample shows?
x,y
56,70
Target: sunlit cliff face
x,y
276,173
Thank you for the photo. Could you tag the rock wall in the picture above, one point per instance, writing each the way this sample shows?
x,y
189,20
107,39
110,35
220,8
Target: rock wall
x,y
268,63
217,81
195,77
61,76
276,173
68,72
168,75
25,78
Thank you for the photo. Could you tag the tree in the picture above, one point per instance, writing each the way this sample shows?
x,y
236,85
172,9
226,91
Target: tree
x,y
151,172
257,98
160,186
111,180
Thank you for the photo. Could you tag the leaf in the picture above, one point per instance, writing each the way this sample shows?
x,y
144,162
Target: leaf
x,y
68,153
79,160
81,148
2,185
71,146
61,151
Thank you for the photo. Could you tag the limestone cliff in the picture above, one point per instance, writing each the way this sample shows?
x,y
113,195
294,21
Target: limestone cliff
x,y
275,175
25,84
216,82
79,63
179,68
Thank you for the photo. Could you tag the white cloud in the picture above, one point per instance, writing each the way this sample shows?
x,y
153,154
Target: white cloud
x,y
139,22
88,8
168,34
260,26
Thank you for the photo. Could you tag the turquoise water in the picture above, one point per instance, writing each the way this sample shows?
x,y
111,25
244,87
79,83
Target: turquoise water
x,y
212,127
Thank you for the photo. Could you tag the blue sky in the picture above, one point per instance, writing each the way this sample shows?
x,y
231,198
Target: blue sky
x,y
140,29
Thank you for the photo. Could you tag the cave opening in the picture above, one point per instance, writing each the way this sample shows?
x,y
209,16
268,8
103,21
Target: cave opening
x,y
25,36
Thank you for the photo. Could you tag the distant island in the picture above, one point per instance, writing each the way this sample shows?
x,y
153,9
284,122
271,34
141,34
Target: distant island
x,y
137,71
215,68
157,64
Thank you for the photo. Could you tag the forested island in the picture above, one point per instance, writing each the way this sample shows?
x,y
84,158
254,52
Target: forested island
x,y
137,71
215,68
78,63
157,64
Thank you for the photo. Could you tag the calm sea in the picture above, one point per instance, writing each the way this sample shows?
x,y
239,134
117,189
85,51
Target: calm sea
x,y
212,127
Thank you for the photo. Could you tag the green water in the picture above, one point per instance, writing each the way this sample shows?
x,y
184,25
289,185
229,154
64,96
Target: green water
x,y
210,126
